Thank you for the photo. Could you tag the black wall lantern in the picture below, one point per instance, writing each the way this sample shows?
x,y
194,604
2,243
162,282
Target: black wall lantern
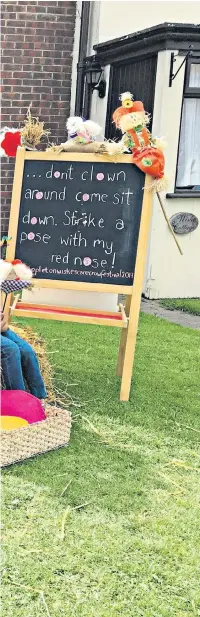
x,y
94,79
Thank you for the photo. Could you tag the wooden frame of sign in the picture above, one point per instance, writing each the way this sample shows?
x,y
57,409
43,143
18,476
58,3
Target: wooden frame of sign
x,y
128,316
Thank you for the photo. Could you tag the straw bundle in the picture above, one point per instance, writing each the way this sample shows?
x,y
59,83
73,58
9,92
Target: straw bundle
x,y
33,131
95,147
106,148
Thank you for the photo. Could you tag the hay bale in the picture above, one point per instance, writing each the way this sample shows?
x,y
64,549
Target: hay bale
x,y
40,349
55,396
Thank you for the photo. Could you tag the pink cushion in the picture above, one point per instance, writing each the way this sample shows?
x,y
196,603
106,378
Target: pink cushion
x,y
22,405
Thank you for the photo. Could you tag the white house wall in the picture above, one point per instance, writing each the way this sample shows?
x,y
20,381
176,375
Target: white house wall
x,y
170,274
99,106
120,18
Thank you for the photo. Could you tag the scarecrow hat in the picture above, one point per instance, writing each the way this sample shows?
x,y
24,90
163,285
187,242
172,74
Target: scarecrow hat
x,y
128,106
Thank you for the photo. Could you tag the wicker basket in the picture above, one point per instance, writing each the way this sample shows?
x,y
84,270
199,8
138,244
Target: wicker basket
x,y
37,438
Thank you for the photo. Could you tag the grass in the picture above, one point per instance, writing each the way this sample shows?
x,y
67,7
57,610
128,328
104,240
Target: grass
x,y
133,551
187,305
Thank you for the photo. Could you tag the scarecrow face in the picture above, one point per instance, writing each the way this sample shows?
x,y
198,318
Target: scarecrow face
x,y
130,121
12,275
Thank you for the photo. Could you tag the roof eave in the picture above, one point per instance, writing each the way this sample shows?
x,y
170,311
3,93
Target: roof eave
x,y
163,36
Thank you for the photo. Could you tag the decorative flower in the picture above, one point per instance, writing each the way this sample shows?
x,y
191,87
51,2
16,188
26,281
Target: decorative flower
x,y
10,143
147,162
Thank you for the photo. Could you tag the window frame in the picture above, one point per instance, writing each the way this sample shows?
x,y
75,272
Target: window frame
x,y
188,92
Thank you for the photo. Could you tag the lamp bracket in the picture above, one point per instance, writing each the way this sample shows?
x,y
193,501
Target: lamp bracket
x,y
101,87
173,75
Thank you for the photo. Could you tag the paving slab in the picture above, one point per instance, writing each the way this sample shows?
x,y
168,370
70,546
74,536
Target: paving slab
x,y
152,307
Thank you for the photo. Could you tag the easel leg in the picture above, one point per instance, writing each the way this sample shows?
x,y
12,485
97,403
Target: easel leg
x,y
129,353
134,311
123,340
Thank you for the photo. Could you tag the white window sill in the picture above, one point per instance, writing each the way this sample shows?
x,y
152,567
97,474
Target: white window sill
x,y
183,194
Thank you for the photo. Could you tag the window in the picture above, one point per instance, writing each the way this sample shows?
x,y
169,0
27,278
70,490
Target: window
x,y
188,169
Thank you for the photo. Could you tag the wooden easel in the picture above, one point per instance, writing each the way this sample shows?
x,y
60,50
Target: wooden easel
x,y
128,316
132,306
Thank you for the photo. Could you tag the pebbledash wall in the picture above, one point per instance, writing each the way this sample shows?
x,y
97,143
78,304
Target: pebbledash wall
x,y
168,274
37,48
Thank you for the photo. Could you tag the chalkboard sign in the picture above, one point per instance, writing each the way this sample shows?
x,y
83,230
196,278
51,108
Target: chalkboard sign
x,y
79,220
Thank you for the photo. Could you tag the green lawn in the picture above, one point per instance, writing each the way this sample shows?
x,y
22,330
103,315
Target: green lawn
x,y
133,551
187,305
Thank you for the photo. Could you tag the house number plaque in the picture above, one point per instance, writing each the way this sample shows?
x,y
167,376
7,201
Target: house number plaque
x,y
184,222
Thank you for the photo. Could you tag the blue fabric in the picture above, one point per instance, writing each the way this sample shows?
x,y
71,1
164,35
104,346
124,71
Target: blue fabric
x,y
19,362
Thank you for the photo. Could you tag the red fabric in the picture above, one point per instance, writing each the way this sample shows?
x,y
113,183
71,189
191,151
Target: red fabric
x,y
137,136
134,137
22,405
11,142
145,135
16,261
61,311
155,157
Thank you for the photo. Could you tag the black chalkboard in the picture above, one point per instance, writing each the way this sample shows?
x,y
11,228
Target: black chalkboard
x,y
79,221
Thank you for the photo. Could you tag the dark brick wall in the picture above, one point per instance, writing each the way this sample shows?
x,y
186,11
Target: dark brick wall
x,y
37,45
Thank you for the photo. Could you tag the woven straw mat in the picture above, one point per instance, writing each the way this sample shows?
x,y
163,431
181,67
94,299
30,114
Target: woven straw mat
x,y
20,444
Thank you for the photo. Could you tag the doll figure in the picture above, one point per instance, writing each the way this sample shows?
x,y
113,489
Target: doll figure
x,y
83,131
131,119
